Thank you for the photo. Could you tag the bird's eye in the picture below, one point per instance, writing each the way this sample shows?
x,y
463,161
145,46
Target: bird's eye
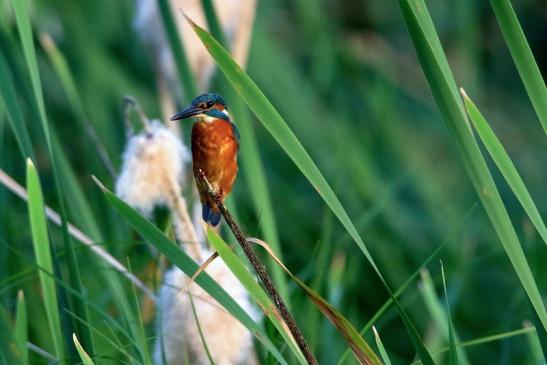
x,y
209,104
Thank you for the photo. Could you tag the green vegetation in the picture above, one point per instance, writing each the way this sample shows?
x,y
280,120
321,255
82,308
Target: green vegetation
x,y
356,177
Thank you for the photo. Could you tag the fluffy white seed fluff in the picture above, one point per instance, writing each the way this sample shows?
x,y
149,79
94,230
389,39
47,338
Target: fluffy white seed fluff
x,y
235,16
153,166
229,342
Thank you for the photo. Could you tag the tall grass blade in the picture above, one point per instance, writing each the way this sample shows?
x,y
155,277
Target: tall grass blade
x,y
21,325
62,70
25,33
541,335
535,352
179,258
9,347
139,333
381,347
212,21
442,84
76,198
417,342
11,105
486,339
453,352
504,164
78,204
523,57
128,312
179,54
284,136
42,252
438,314
115,341
201,336
83,355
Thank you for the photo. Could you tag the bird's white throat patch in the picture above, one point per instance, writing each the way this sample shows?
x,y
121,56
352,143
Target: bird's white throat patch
x,y
208,119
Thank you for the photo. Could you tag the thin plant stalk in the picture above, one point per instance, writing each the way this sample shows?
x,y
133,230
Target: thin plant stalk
x,y
261,272
53,216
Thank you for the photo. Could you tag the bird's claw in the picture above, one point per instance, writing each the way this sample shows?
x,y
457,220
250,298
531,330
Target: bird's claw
x,y
203,179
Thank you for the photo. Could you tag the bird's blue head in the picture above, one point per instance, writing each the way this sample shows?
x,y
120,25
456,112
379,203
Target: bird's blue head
x,y
206,105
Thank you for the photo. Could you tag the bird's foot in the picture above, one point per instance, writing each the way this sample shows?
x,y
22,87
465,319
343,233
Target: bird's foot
x,y
203,180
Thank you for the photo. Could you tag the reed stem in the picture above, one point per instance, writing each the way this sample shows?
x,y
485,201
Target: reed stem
x,y
261,272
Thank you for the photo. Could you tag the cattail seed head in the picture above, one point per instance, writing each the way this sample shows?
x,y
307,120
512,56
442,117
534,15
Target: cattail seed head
x,y
153,167
235,16
229,342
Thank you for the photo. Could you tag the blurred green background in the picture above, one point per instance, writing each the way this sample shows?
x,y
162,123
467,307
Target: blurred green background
x,y
345,77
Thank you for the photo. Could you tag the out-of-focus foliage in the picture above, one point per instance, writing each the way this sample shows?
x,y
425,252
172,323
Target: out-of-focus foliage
x,y
345,77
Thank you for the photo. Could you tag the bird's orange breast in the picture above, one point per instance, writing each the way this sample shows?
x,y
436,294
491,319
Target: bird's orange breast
x,y
214,151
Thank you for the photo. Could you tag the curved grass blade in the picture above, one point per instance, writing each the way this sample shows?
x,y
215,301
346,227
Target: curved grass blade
x,y
76,199
417,342
83,355
212,21
10,103
359,346
443,86
21,325
535,353
138,327
179,258
541,335
259,295
438,314
42,251
62,70
523,57
25,33
78,204
504,164
201,336
486,339
115,342
181,61
278,128
453,350
381,347
9,347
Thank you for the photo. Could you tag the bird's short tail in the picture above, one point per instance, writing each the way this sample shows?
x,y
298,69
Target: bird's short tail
x,y
210,216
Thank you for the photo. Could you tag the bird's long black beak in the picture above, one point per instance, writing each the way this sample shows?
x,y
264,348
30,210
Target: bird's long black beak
x,y
187,112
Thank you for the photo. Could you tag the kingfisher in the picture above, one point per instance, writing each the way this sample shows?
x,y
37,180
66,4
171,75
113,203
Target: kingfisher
x,y
215,144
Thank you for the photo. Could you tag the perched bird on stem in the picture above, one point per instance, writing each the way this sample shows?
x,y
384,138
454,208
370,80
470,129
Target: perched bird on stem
x,y
215,142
